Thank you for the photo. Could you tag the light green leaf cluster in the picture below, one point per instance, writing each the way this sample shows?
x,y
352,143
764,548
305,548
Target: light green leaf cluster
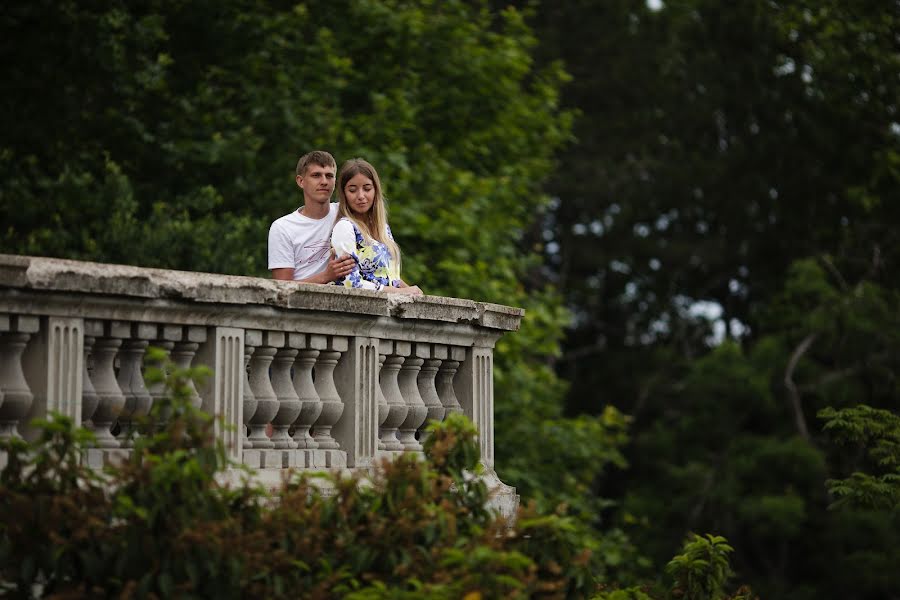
x,y
877,433
702,570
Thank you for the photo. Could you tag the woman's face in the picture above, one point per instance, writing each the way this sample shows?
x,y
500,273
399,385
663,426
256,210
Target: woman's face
x,y
360,194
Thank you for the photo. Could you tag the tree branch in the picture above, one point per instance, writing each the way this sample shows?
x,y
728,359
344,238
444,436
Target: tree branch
x,y
826,262
793,391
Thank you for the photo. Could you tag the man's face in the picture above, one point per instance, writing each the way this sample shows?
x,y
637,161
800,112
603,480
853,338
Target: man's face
x,y
317,184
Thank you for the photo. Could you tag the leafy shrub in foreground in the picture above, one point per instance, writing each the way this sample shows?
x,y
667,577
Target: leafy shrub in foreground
x,y
162,524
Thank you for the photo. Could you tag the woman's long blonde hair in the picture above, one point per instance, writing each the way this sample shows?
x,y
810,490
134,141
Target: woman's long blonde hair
x,y
373,224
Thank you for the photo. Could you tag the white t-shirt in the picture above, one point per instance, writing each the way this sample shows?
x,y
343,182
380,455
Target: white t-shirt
x,y
301,243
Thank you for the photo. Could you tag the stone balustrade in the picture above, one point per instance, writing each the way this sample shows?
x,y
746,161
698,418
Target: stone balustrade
x,y
303,376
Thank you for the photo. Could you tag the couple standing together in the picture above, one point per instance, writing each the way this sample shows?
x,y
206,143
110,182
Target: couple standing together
x,y
300,243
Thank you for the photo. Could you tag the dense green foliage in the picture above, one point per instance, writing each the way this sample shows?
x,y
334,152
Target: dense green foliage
x,y
161,526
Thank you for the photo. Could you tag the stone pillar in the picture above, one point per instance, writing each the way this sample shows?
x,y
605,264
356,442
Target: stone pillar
x,y
426,382
53,365
222,394
15,331
131,381
332,406
395,354
356,378
409,387
474,386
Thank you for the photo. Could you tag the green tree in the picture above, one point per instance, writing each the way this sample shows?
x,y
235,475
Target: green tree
x,y
743,454
725,237
715,147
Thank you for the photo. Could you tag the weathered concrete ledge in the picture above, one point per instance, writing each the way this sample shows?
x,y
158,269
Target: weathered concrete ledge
x,y
72,276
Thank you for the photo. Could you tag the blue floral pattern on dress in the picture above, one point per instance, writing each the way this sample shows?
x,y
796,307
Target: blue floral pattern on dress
x,y
372,268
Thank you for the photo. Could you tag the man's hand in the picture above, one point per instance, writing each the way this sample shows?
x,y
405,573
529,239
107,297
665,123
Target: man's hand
x,y
337,268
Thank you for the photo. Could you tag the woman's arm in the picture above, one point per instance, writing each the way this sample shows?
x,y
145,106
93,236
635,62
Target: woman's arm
x,y
407,290
347,242
357,279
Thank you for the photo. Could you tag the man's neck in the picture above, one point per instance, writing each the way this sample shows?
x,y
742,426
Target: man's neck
x,y
315,210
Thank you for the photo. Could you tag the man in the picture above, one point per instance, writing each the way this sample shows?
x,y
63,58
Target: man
x,y
300,243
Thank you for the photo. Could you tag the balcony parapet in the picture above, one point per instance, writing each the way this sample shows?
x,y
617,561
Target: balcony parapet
x,y
339,377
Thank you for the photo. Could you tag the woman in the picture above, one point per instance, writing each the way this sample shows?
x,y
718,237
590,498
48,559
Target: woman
x,y
362,217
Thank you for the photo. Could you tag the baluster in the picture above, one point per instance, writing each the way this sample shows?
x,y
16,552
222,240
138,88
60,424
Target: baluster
x,y
17,396
383,408
161,402
165,338
390,387
427,389
266,400
409,388
306,390
332,407
103,377
89,397
444,380
183,355
131,381
252,339
289,404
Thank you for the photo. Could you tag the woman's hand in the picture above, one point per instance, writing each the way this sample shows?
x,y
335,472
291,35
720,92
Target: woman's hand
x,y
409,290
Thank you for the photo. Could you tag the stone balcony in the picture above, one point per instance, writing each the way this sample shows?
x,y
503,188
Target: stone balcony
x,y
303,376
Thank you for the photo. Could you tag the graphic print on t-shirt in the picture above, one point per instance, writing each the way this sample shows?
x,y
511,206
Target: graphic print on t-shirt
x,y
313,252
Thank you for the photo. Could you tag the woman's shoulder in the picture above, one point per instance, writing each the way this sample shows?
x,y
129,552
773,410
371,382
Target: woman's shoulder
x,y
346,223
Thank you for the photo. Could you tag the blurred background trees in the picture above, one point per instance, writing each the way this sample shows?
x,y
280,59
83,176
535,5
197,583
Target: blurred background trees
x,y
696,204
725,233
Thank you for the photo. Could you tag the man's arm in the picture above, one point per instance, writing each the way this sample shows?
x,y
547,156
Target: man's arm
x,y
281,252
336,268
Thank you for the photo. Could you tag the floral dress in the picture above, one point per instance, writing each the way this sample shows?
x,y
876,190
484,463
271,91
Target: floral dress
x,y
373,268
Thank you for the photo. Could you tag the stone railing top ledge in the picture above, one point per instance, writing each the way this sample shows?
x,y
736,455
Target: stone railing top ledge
x,y
63,275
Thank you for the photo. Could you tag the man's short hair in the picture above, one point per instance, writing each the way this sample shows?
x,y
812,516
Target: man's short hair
x,y
316,157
